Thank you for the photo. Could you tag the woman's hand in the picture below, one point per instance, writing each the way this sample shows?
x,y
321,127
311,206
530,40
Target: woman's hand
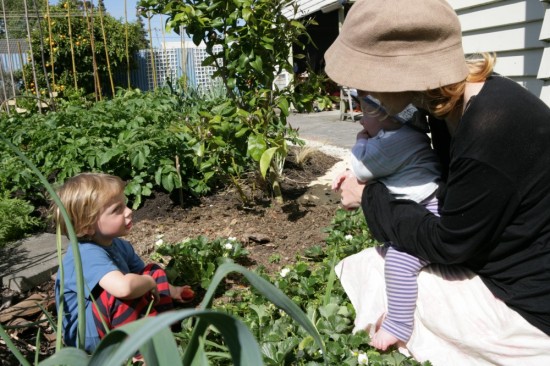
x,y
350,190
337,181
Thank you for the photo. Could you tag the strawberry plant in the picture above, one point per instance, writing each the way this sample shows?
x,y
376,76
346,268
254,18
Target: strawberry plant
x,y
193,261
310,284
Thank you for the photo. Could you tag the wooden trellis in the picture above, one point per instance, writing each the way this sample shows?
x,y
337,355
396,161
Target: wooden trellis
x,y
45,94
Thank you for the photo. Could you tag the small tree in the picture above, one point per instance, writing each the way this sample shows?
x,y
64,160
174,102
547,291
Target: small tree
x,y
249,43
69,44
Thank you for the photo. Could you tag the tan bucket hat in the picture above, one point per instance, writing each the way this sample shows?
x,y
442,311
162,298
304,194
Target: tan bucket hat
x,y
398,45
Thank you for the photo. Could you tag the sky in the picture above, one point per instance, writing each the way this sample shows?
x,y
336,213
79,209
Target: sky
x,y
116,9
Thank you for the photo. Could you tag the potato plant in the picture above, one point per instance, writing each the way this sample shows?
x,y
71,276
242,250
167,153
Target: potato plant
x,y
148,139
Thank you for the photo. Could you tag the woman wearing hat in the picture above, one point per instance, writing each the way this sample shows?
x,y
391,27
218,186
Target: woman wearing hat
x,y
487,299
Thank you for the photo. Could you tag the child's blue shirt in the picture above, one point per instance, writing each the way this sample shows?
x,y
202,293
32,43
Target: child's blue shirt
x,y
97,261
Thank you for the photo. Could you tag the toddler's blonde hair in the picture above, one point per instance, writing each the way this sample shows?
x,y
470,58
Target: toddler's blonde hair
x,y
84,196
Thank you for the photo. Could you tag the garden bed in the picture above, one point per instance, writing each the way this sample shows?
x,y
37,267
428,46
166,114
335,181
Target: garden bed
x,y
271,233
274,235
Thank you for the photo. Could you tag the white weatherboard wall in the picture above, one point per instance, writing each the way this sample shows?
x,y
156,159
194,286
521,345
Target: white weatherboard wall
x,y
306,7
517,30
544,69
512,29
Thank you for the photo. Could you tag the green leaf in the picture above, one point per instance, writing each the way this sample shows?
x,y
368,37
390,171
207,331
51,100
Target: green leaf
x,y
107,156
257,64
197,38
297,24
67,356
256,146
241,132
123,342
138,160
246,14
268,290
265,160
284,106
168,182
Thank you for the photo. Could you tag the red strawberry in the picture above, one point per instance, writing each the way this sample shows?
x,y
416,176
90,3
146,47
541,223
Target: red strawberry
x,y
187,294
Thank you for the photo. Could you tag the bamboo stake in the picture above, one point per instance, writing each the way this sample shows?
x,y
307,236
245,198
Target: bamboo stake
x,y
48,87
90,24
106,52
4,88
167,75
152,52
71,44
183,57
9,51
50,35
22,68
39,104
126,35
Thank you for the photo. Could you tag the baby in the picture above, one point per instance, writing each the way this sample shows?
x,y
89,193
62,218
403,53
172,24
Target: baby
x,y
392,150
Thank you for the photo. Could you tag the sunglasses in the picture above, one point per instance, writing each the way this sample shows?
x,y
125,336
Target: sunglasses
x,y
371,105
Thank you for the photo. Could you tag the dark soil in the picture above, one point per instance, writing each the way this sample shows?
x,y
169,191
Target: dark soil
x,y
267,230
264,227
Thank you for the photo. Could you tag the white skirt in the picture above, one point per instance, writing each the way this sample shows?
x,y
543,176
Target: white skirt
x,y
457,321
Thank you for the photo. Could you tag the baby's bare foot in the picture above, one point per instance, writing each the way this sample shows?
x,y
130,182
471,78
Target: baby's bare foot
x,y
382,340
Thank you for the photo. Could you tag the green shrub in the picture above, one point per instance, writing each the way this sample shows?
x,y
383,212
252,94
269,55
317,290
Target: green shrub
x,y
16,220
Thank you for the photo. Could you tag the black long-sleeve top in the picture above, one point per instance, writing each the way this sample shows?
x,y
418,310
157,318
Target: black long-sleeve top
x,y
495,203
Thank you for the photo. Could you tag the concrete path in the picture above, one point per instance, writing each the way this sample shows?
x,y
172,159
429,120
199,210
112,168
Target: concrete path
x,y
29,262
325,128
32,261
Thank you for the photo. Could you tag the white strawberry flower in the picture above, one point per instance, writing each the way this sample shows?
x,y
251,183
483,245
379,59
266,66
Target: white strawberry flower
x,y
362,359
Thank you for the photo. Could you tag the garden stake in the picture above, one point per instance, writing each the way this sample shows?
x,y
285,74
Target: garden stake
x,y
51,41
90,24
106,51
178,170
48,87
152,52
126,36
21,60
36,89
4,86
71,44
9,52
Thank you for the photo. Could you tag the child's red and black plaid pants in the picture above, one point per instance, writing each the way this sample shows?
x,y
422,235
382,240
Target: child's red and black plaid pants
x,y
116,312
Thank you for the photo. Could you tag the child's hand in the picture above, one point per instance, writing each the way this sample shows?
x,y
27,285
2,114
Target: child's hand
x,y
363,135
182,294
155,295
